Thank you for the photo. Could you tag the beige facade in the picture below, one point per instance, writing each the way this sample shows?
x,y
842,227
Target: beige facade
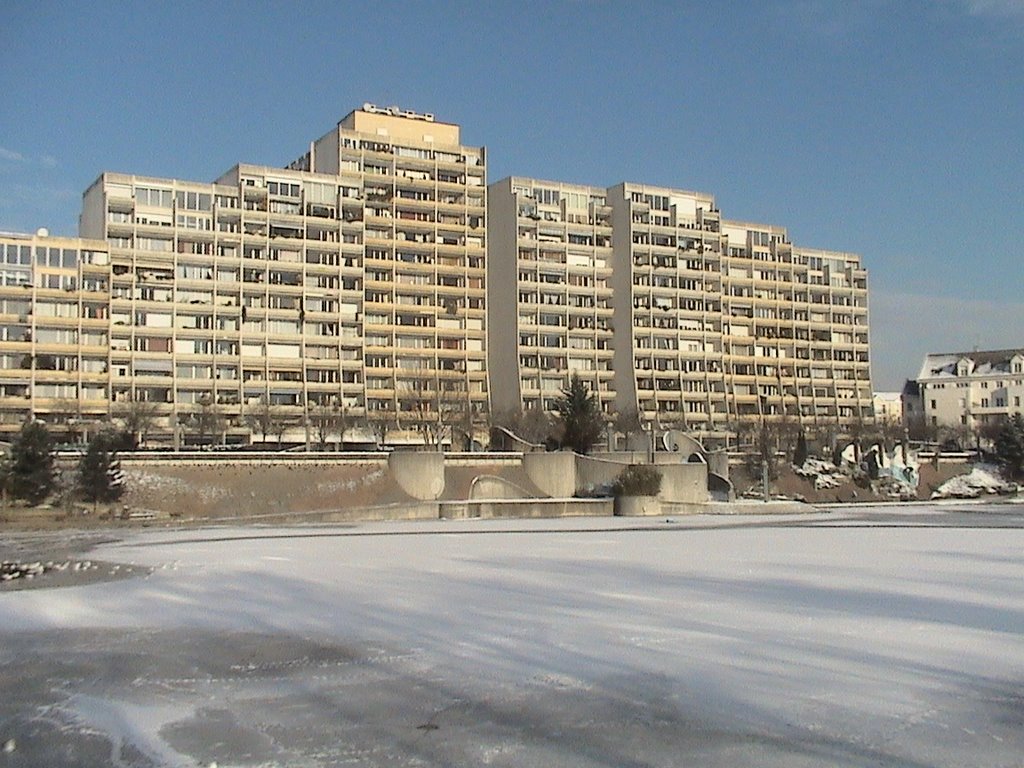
x,y
970,389
54,331
352,280
378,277
714,321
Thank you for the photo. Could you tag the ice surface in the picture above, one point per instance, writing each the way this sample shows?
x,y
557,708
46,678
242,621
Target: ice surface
x,y
889,637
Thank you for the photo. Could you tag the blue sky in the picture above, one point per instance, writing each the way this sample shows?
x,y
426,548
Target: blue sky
x,y
889,128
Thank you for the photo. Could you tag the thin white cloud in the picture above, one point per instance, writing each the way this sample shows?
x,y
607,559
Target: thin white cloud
x,y
905,327
826,19
995,8
11,156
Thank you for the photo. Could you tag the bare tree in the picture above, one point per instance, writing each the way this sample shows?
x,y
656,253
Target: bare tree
x,y
920,429
425,411
137,417
279,426
380,422
532,425
459,411
265,420
208,420
330,419
627,423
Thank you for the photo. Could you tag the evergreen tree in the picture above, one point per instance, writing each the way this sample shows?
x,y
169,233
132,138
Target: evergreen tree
x,y
580,417
31,474
1009,446
99,473
800,452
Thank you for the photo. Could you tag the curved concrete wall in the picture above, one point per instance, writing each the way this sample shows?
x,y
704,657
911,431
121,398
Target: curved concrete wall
x,y
720,488
554,474
593,471
491,487
686,444
419,474
718,464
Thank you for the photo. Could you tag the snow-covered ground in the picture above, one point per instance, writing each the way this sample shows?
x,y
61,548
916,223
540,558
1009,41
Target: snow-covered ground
x,y
888,637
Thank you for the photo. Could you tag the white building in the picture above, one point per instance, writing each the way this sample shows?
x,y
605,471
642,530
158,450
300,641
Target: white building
x,y
971,389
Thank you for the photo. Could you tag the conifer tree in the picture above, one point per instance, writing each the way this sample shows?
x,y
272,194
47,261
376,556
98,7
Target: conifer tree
x,y
99,473
1009,446
30,473
580,417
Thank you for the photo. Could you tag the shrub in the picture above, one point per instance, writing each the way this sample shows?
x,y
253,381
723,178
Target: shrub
x,y
637,480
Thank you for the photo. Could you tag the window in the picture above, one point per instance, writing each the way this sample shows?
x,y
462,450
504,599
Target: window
x,y
158,198
194,201
283,188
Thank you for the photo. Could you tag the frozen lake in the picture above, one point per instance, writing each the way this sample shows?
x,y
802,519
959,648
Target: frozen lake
x,y
882,636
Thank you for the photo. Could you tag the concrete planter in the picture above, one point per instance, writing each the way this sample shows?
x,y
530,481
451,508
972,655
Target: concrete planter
x,y
637,506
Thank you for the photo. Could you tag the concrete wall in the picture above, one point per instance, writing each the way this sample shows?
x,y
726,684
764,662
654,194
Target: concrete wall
x,y
622,301
419,473
718,464
685,483
599,470
685,445
527,508
502,299
419,511
554,474
680,481
637,506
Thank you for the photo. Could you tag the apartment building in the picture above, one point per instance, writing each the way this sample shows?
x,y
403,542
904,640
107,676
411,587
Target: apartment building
x,y
424,211
356,281
968,389
549,277
714,322
54,331
351,280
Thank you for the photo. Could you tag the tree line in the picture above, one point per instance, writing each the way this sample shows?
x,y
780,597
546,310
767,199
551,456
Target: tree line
x,y
28,472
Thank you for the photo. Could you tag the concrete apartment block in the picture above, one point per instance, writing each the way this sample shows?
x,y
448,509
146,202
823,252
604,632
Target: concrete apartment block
x,y
379,276
354,279
714,322
54,330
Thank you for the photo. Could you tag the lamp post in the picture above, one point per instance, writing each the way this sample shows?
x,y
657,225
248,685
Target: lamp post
x,y
764,448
